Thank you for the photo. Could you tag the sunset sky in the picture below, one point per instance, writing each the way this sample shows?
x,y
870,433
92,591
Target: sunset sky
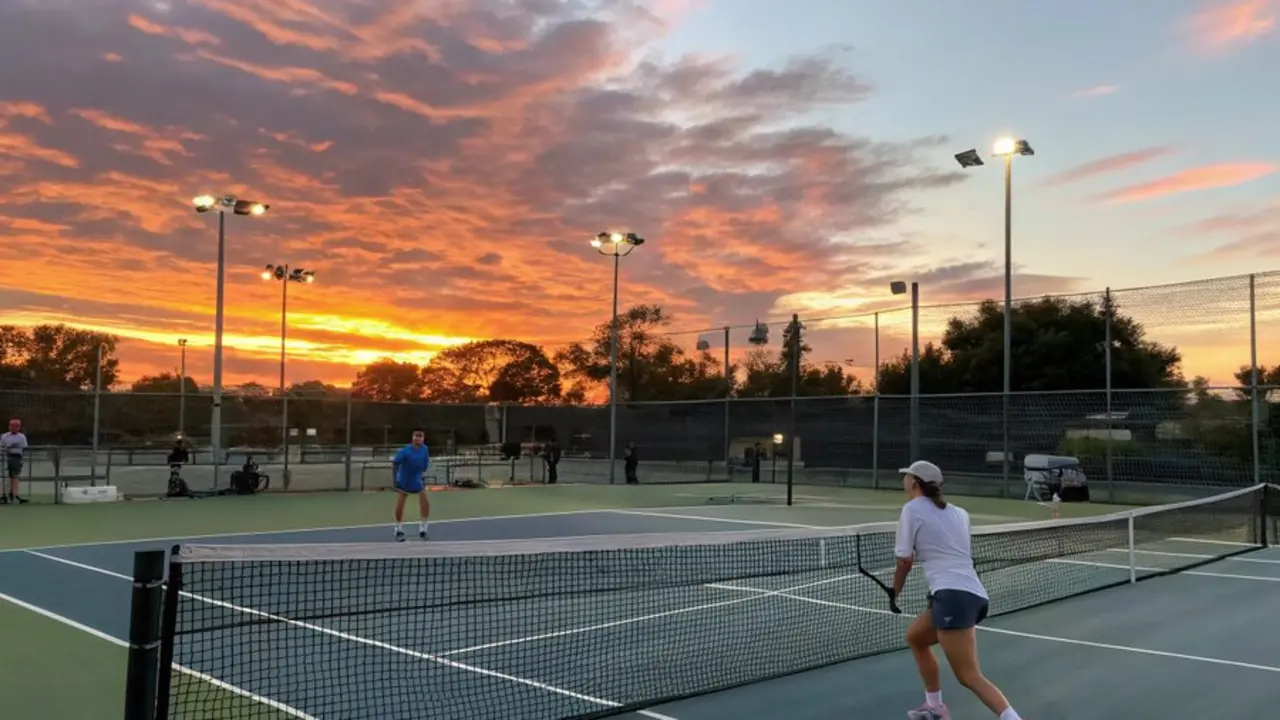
x,y
441,164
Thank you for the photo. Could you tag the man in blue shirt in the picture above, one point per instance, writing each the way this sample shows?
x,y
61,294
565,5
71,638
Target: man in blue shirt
x,y
409,465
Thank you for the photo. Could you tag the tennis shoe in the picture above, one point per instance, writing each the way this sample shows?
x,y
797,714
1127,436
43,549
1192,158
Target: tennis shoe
x,y
399,536
924,712
422,534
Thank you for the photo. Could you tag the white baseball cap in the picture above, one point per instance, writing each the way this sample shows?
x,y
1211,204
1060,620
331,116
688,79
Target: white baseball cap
x,y
925,470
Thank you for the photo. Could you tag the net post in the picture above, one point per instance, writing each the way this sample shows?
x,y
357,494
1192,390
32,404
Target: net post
x,y
168,629
1133,562
1266,499
144,635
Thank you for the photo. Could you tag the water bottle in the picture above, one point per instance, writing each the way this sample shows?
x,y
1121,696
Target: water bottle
x,y
1057,506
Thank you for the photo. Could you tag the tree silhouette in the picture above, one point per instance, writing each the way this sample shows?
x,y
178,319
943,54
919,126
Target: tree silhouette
x,y
491,371
650,366
56,357
388,381
1057,344
769,374
165,383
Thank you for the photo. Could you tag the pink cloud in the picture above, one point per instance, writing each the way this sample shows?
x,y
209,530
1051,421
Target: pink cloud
x,y
1253,234
1108,164
1095,91
1234,22
1201,178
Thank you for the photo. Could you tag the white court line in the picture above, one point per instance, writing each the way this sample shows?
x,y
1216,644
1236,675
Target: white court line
x,y
276,704
644,618
371,643
1235,558
252,533
1033,636
708,518
1197,573
1214,542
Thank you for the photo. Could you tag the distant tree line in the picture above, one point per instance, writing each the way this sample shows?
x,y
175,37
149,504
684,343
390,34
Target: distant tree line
x,y
1058,345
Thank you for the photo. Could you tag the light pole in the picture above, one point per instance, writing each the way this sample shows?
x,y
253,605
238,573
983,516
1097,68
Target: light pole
x,y
777,445
221,205
899,287
619,245
1006,148
285,275
182,390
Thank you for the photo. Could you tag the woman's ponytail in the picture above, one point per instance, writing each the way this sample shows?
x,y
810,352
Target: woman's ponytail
x,y
933,492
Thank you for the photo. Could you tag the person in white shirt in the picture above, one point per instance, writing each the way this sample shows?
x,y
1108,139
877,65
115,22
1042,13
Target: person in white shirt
x,y
938,534
13,445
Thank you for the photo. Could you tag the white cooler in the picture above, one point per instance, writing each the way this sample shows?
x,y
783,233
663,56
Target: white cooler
x,y
83,495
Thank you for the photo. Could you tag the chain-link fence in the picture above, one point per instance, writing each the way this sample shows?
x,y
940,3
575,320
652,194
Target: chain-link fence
x,y
853,418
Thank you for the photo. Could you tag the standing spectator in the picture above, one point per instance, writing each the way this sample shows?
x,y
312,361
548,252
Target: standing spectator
x,y
13,445
757,454
551,454
632,463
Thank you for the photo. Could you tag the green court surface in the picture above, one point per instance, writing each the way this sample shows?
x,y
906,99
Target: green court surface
x,y
56,668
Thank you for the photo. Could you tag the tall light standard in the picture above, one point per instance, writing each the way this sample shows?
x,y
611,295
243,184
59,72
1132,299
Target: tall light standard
x,y
182,390
285,275
619,245
221,205
1006,148
899,287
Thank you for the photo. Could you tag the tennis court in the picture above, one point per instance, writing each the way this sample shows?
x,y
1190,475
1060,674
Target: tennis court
x,y
287,636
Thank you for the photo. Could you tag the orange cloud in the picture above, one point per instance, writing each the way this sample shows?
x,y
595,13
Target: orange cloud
x,y
282,74
1109,164
1202,178
439,166
191,37
1234,22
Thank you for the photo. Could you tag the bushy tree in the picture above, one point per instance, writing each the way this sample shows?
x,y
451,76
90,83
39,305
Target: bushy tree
x,y
1057,344
650,366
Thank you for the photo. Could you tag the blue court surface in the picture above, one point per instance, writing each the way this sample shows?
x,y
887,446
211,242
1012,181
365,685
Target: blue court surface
x,y
1200,644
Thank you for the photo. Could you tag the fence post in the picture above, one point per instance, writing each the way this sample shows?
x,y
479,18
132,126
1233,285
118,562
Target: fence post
x,y
1255,409
1111,490
143,674
795,389
347,455
728,391
875,414
97,413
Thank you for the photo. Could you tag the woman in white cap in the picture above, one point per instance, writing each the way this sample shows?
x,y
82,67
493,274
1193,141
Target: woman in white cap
x,y
938,534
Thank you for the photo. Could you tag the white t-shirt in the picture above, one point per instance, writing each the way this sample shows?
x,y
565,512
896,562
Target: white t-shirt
x,y
13,443
939,538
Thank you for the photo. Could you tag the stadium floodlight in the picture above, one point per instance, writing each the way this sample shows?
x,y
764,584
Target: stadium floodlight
x,y
285,275
222,205
1007,148
618,245
899,287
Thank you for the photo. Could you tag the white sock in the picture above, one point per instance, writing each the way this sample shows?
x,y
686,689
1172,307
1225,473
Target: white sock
x,y
399,528
934,699
422,526
1010,714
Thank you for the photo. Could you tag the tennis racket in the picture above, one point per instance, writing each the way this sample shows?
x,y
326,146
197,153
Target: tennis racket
x,y
893,598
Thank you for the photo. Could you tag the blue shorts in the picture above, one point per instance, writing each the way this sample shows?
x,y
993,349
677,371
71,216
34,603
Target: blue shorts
x,y
957,609
411,486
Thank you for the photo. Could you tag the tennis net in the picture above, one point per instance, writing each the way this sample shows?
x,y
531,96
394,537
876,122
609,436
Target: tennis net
x,y
596,626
